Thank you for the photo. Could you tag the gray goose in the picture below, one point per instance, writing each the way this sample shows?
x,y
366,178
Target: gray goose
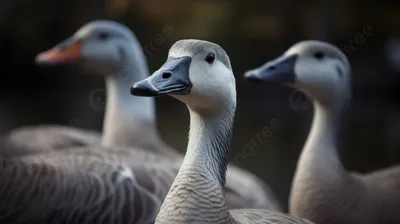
x,y
112,50
323,191
199,74
121,61
82,188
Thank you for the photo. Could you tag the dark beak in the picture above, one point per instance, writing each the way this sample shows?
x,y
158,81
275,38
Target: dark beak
x,y
171,78
280,70
66,51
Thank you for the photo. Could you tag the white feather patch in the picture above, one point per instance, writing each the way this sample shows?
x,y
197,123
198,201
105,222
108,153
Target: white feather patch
x,y
126,173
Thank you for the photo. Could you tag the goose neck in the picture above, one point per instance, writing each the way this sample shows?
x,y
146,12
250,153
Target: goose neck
x,y
320,151
209,142
127,115
201,178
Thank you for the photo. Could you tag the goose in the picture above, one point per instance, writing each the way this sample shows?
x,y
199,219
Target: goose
x,y
322,190
199,74
112,50
61,187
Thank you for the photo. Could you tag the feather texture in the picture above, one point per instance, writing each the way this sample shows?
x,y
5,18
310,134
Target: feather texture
x,y
43,138
59,188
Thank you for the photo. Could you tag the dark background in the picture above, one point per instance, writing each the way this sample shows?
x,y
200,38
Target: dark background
x,y
252,32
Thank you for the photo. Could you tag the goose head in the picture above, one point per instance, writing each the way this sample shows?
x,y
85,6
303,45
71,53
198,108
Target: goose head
x,y
317,68
100,45
196,72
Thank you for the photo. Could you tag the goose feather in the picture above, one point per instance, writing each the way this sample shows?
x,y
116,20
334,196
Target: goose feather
x,y
57,188
42,138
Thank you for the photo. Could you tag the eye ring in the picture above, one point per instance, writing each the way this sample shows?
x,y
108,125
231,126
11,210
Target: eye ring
x,y
103,36
319,55
210,58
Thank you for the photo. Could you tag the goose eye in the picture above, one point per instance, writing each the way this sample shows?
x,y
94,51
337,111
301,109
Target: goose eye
x,y
103,36
319,55
210,58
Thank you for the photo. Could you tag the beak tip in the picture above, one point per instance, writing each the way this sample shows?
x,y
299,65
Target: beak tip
x,y
40,58
251,76
141,89
43,59
133,90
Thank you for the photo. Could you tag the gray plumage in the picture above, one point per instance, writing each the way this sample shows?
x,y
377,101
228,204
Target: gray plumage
x,y
43,138
60,187
323,191
83,185
196,195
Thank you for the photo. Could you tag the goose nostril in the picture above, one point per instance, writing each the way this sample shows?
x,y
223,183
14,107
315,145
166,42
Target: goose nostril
x,y
271,68
166,75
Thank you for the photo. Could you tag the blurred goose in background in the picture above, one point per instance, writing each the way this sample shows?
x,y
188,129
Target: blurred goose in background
x,y
323,191
111,49
199,74
63,187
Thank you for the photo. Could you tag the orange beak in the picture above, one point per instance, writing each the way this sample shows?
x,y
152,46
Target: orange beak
x,y
63,52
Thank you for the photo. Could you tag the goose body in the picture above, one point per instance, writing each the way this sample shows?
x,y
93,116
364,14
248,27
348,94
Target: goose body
x,y
44,138
82,185
55,187
323,191
112,50
199,74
